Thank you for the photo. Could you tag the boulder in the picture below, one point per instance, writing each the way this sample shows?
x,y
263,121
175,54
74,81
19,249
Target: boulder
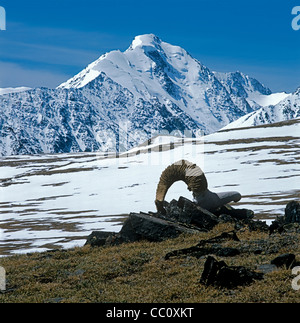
x,y
98,238
289,221
198,216
292,212
235,214
188,212
219,274
142,226
286,260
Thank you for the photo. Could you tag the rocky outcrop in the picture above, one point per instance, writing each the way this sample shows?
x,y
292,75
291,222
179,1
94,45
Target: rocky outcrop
x,y
144,226
141,226
187,212
182,216
185,216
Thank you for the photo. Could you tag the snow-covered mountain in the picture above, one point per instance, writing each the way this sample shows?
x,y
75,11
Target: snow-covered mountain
x,y
153,68
52,121
243,89
123,99
287,108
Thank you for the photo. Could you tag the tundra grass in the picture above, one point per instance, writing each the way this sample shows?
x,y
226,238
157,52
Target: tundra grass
x,y
138,273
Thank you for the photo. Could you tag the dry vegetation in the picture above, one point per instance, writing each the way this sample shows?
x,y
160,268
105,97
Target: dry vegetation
x,y
138,273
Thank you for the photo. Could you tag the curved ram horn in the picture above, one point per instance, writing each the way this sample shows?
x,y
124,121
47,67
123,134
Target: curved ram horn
x,y
182,170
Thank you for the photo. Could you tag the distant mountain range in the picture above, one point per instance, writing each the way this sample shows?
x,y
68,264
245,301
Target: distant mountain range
x,y
286,109
124,98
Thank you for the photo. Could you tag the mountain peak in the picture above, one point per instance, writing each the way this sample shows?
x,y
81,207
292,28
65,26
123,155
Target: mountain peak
x,y
152,68
152,86
145,40
241,84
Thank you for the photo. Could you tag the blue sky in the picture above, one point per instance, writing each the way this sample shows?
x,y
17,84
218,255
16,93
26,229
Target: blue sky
x,y
47,42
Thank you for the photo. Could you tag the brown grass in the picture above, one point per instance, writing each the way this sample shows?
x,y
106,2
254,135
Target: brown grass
x,y
138,273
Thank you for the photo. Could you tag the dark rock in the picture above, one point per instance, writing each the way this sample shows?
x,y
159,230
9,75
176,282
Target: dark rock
x,y
237,214
218,273
210,272
287,260
291,215
175,213
143,226
224,236
277,225
226,218
199,250
241,218
292,212
98,238
114,239
258,225
228,252
188,212
196,214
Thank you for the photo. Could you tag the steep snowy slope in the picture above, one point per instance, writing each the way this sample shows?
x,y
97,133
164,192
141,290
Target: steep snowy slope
x,y
102,116
243,89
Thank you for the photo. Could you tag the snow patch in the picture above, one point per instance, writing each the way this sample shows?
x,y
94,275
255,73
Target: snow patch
x,y
13,90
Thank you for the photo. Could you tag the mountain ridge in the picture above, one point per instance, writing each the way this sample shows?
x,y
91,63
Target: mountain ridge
x,y
286,109
124,98
153,67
